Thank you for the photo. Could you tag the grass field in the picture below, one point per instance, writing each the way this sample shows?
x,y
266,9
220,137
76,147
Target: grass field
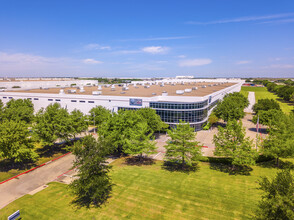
x,y
150,192
262,93
8,170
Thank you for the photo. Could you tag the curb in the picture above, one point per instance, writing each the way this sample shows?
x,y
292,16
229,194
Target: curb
x,y
30,170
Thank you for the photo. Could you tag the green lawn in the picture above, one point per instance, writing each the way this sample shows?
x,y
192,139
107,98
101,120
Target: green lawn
x,y
8,170
262,93
150,192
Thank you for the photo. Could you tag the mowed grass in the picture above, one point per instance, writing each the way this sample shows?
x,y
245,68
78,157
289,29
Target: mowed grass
x,y
6,173
150,192
263,93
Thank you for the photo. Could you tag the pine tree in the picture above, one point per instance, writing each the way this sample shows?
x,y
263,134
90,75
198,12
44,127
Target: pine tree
x,y
182,145
231,142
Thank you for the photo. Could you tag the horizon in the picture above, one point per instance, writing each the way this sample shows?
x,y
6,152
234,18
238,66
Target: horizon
x,y
147,39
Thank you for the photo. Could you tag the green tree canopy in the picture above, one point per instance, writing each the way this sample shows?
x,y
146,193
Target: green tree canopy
x,y
93,185
182,145
278,198
265,105
139,141
231,107
231,142
213,119
15,141
19,110
1,110
99,114
269,117
280,141
119,127
78,122
52,123
153,120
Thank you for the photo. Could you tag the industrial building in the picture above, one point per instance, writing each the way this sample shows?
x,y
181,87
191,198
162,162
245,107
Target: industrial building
x,y
190,100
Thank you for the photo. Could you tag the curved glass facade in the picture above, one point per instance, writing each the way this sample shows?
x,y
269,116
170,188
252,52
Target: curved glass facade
x,y
164,105
170,116
172,113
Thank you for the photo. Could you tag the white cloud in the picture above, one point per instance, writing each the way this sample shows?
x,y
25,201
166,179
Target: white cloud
x,y
96,47
92,61
195,62
155,49
158,38
161,61
127,51
244,19
281,66
181,56
26,58
243,62
280,21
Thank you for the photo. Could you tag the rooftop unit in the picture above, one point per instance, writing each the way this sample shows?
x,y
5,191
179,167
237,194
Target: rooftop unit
x,y
97,93
194,88
164,93
180,92
188,90
72,91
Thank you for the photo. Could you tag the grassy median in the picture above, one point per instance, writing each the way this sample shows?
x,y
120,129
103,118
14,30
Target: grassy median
x,y
151,192
262,93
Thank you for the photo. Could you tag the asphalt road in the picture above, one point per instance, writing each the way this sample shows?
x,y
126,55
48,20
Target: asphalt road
x,y
26,183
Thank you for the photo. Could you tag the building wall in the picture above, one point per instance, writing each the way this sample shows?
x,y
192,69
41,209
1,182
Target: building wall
x,y
172,109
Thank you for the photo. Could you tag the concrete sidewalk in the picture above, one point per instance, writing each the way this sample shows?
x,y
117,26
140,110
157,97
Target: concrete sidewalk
x,y
251,99
26,183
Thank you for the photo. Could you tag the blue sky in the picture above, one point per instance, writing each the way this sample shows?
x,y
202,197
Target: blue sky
x,y
146,38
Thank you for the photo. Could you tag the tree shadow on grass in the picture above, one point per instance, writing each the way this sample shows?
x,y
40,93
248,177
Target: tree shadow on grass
x,y
7,165
139,161
225,165
174,166
44,152
272,163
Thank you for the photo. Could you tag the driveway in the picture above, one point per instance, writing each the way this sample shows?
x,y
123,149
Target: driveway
x,y
26,183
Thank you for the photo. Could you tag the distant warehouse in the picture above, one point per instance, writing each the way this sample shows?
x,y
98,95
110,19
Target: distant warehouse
x,y
190,100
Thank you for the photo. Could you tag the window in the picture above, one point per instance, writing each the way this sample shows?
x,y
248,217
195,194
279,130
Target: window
x,y
4,97
82,101
10,97
73,100
29,98
57,100
90,101
36,99
50,100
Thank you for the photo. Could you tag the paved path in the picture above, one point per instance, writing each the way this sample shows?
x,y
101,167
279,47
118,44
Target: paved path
x,y
26,183
251,98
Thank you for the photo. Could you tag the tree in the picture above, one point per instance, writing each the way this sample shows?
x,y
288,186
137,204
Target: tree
x,y
213,119
231,107
119,128
139,141
15,141
19,110
182,145
268,117
52,123
280,141
99,115
1,110
265,105
153,120
93,185
78,122
278,200
231,142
